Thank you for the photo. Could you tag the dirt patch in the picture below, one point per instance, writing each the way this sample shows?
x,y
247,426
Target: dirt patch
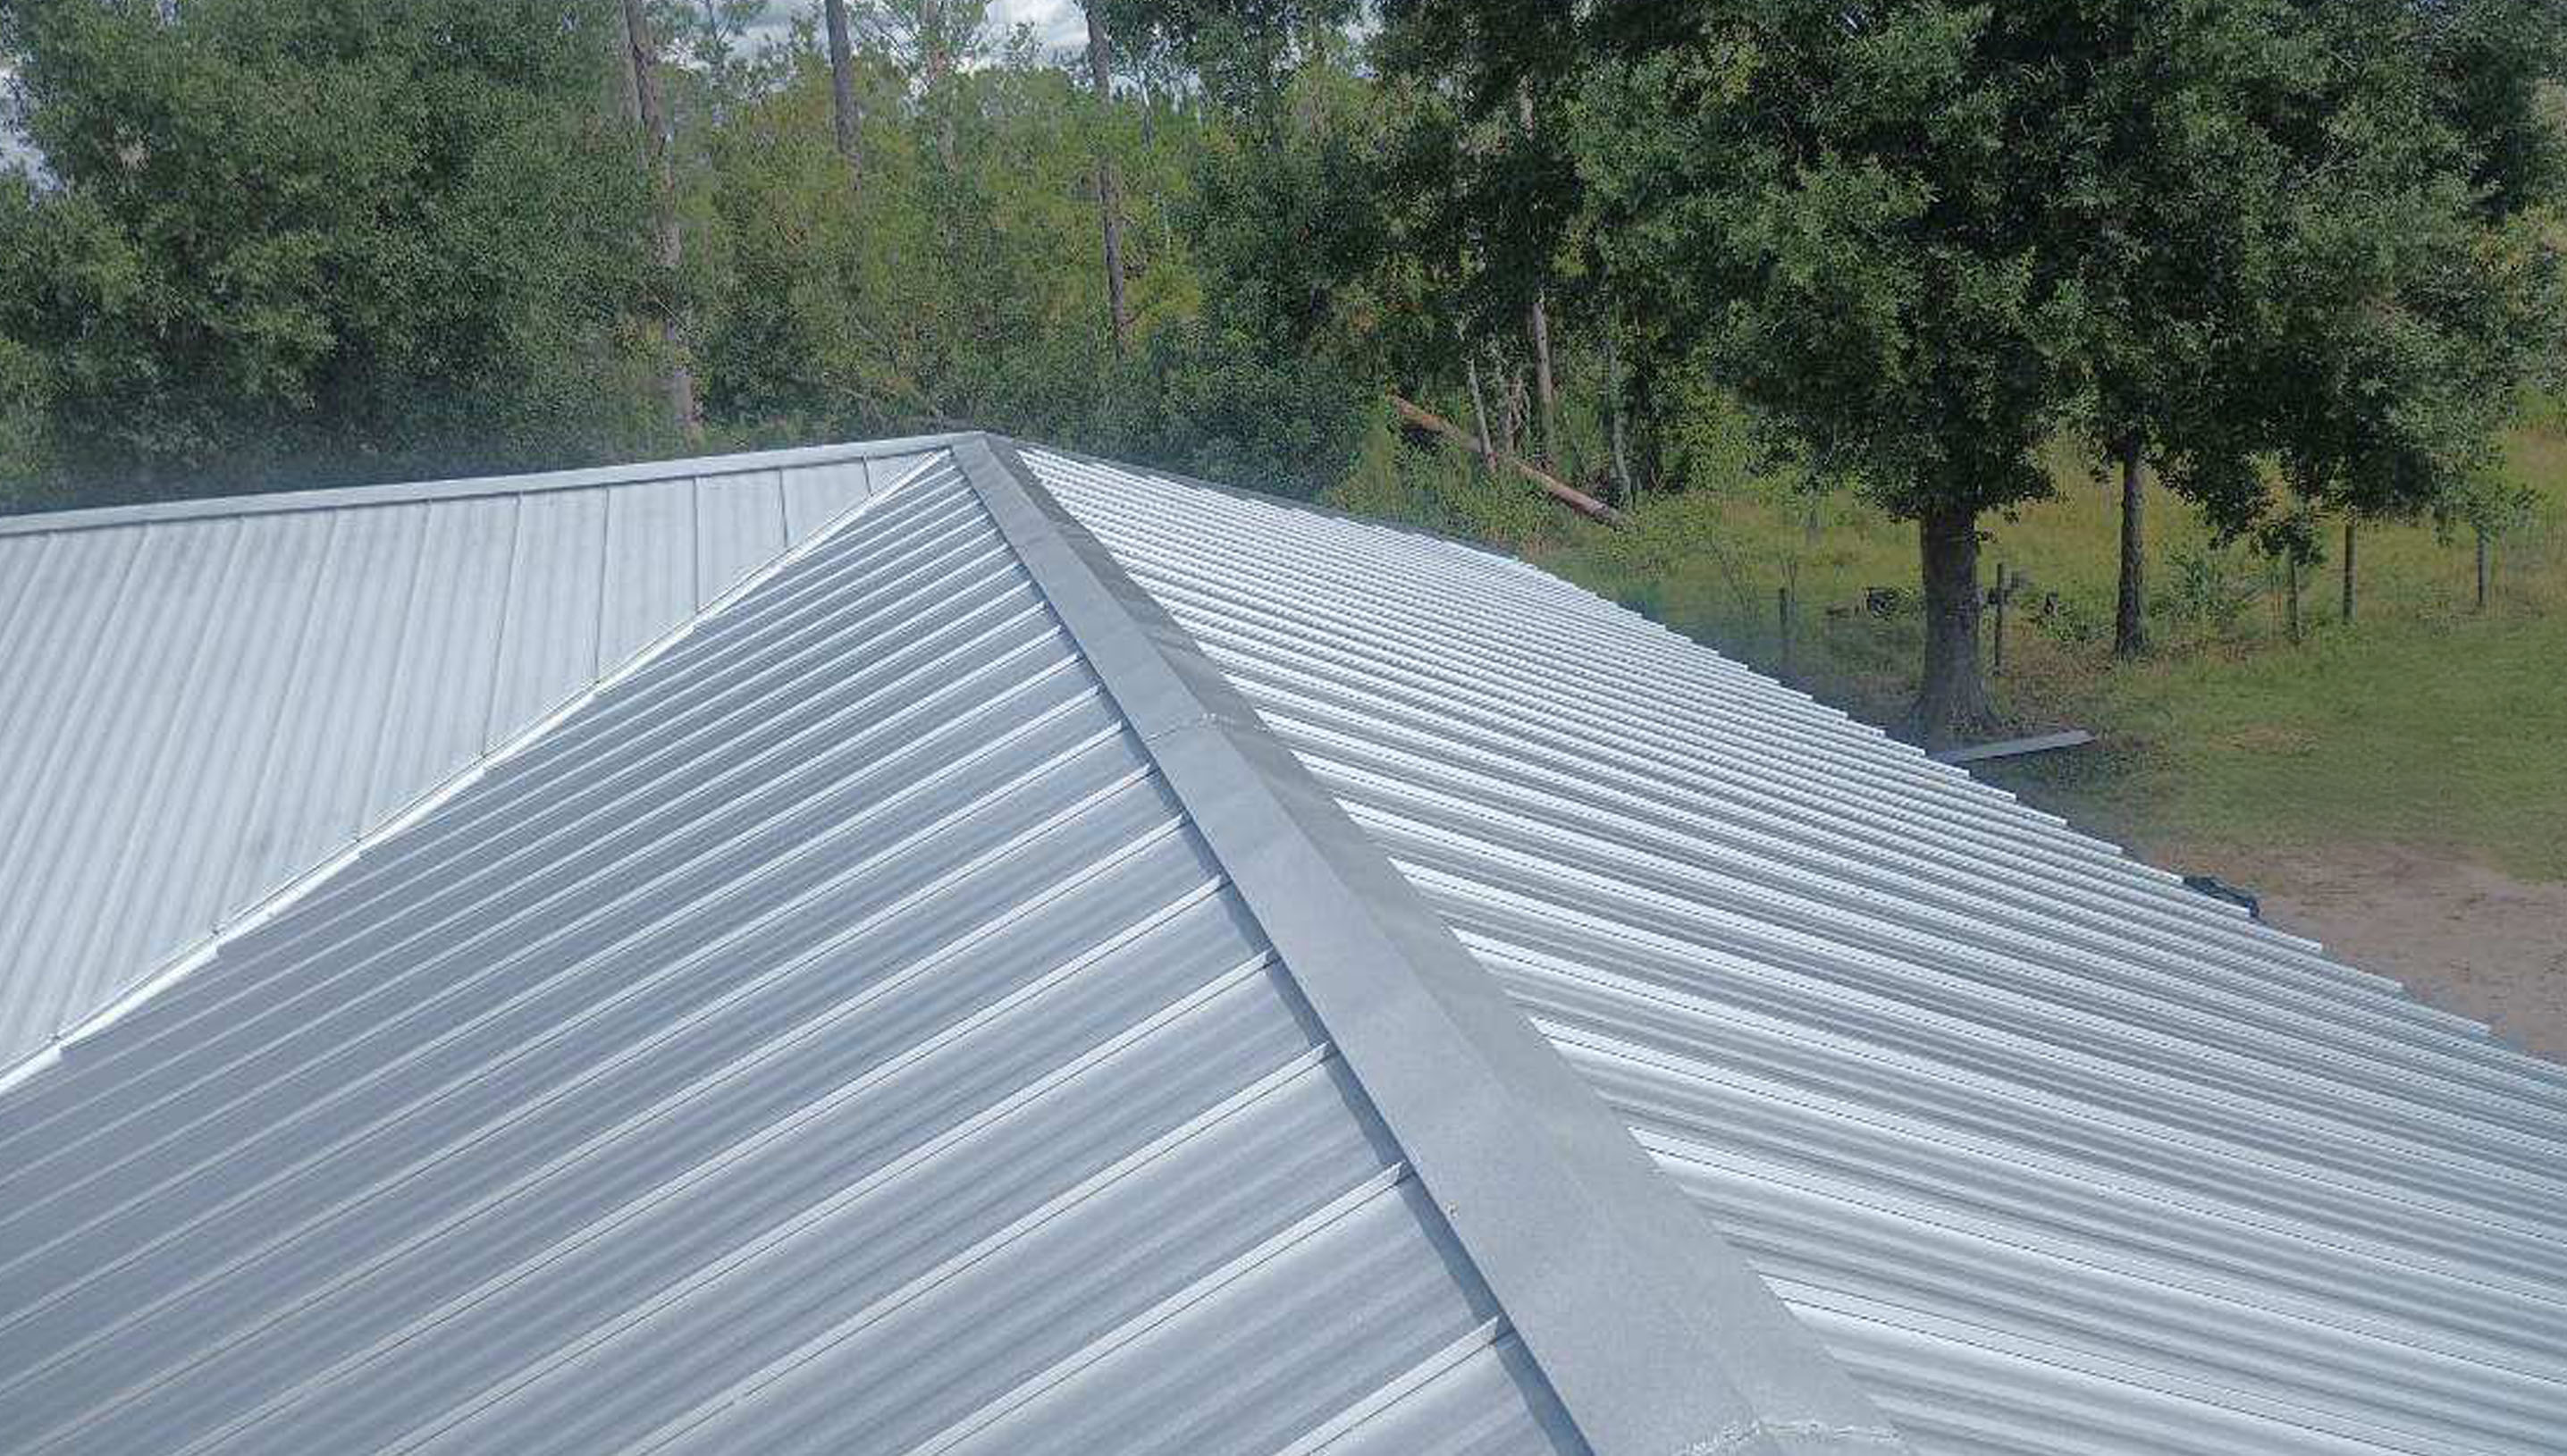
x,y
2462,937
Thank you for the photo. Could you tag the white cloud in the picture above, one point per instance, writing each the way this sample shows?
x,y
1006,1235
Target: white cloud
x,y
1060,23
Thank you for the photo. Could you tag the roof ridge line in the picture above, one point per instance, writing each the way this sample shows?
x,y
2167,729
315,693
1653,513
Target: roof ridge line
x,y
462,487
1651,1329
123,998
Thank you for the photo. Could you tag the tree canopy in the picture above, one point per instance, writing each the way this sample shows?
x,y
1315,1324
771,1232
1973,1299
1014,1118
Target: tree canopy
x,y
275,242
2294,255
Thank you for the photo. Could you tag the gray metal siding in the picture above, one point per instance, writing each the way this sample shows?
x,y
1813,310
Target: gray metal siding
x,y
2055,1155
197,706
833,1036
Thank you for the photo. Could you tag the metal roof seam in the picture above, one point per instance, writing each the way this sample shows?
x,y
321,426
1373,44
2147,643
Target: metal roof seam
x,y
2313,1217
1327,1433
1020,1141
332,497
1649,1328
1379,1185
122,1000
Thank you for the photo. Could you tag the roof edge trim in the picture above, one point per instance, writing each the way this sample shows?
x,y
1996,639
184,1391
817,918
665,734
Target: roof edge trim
x,y
1287,502
333,497
122,998
1655,1333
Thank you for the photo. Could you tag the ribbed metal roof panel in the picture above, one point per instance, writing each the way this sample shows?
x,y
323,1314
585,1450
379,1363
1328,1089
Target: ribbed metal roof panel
x,y
202,701
2054,1154
833,1035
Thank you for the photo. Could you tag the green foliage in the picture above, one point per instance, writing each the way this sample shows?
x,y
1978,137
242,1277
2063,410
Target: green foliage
x,y
2424,280
282,243
953,280
26,452
1244,55
1824,208
1440,490
2211,587
289,241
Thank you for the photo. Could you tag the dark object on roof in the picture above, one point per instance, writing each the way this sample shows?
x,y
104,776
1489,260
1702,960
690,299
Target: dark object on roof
x,y
2219,889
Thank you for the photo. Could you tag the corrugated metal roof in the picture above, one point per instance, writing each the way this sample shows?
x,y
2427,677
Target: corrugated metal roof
x,y
972,989
837,1034
200,699
2055,1155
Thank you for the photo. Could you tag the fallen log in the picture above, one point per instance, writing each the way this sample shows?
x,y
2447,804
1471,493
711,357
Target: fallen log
x,y
1543,481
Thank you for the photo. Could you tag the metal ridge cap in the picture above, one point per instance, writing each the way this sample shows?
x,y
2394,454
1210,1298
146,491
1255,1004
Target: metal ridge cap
x,y
1652,1330
333,497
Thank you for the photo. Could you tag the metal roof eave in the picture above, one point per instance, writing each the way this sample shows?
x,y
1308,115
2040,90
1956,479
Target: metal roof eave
x,y
461,488
1655,1334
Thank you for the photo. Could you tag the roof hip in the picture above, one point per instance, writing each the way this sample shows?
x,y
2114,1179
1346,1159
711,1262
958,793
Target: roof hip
x,y
1655,1333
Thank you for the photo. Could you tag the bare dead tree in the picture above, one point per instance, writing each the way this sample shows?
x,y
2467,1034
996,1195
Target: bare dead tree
x,y
1539,325
641,57
842,86
1100,67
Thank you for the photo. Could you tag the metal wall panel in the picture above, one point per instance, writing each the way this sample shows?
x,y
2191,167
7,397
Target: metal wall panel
x,y
832,1037
200,702
2055,1155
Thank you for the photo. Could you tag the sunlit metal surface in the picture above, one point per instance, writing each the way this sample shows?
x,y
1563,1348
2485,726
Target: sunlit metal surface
x,y
2057,1156
835,1035
201,701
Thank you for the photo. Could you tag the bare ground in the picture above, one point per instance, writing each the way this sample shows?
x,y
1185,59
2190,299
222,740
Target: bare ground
x,y
2462,937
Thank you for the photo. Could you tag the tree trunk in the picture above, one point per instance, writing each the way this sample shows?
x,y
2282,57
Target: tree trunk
x,y
2129,615
1543,481
1952,701
1783,628
1479,413
1109,207
2347,612
842,86
1613,419
2482,566
672,324
1996,633
2291,595
1546,396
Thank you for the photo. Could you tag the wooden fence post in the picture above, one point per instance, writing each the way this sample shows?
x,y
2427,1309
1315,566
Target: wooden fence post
x,y
1996,658
1783,616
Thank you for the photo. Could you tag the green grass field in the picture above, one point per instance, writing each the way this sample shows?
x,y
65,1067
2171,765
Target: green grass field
x,y
2421,722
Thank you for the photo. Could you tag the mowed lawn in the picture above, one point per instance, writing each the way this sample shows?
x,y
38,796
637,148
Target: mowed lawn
x,y
2421,722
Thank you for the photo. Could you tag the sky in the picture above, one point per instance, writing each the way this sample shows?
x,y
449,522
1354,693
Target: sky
x,y
1060,22
12,150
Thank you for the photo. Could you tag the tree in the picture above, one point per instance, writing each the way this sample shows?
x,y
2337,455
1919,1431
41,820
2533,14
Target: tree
x,y
2169,139
668,245
2488,505
1109,207
1920,236
1500,192
283,242
844,116
1538,311
1242,54
2422,288
1831,204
